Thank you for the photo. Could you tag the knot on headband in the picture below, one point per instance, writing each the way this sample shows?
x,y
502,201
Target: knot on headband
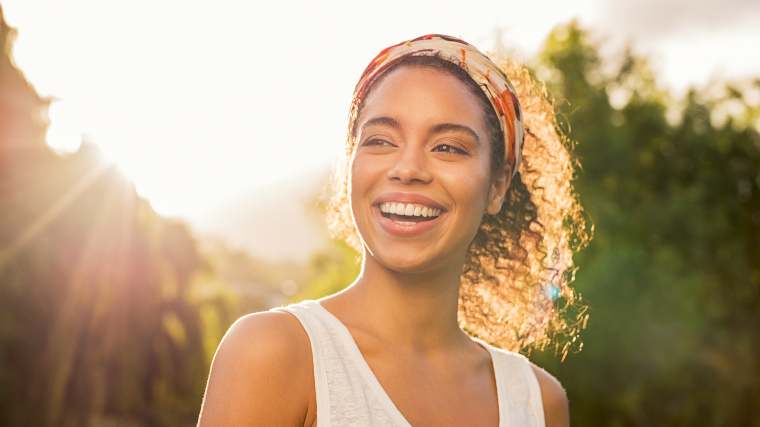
x,y
488,76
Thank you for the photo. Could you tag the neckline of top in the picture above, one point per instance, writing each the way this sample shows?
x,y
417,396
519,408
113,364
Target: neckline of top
x,y
374,383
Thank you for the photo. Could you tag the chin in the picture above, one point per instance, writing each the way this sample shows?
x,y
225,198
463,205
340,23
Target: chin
x,y
406,260
407,254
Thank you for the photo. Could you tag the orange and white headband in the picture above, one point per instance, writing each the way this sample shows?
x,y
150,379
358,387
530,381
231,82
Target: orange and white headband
x,y
489,77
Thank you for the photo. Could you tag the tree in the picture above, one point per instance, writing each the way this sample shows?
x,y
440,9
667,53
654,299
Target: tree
x,y
105,307
673,274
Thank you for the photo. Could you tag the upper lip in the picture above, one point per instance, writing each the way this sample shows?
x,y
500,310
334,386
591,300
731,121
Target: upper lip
x,y
408,198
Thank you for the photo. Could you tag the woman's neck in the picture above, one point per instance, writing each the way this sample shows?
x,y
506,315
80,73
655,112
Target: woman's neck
x,y
415,311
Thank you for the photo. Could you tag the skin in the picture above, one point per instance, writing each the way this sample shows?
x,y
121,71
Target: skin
x,y
430,368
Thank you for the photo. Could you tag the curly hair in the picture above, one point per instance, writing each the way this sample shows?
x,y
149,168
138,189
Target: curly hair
x,y
515,288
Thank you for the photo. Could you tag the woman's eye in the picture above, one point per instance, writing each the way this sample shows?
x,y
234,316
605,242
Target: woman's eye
x,y
375,141
451,149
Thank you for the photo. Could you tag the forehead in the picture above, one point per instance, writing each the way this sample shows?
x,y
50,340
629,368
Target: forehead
x,y
422,94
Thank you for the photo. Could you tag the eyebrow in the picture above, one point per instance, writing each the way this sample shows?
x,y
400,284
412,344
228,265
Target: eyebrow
x,y
439,128
448,127
382,121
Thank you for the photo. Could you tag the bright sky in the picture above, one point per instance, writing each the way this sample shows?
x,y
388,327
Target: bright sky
x,y
201,102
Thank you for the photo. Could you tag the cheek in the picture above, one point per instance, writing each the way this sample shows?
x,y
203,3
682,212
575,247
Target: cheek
x,y
363,172
468,188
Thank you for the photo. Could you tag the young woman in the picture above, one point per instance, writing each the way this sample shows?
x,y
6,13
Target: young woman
x,y
459,199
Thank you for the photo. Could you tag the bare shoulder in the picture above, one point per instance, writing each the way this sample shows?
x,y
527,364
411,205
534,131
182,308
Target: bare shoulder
x,y
259,374
554,397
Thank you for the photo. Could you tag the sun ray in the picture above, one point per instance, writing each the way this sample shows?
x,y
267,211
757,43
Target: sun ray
x,y
39,224
84,287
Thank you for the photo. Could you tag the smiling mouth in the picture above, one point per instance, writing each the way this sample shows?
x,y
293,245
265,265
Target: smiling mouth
x,y
408,213
404,218
407,226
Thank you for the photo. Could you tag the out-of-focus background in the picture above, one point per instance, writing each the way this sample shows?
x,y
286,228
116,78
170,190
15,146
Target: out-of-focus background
x,y
160,164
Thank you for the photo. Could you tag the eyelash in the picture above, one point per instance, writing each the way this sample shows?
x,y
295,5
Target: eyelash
x,y
458,150
369,141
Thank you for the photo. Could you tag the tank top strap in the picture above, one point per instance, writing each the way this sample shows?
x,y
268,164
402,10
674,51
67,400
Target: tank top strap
x,y
520,385
345,393
318,340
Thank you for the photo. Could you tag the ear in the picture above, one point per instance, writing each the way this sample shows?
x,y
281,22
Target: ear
x,y
498,190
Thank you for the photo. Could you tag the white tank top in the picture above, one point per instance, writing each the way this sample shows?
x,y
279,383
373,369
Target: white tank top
x,y
349,394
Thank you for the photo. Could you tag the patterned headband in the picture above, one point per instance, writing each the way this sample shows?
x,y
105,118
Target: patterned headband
x,y
489,77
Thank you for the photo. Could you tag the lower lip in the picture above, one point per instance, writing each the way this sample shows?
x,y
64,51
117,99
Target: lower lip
x,y
406,229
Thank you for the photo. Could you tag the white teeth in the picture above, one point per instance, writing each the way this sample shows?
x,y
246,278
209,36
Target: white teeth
x,y
409,209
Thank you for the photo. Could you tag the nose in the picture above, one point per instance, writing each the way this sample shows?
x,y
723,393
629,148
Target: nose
x,y
410,166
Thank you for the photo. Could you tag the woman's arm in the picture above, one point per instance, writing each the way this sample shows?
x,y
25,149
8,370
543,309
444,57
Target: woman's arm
x,y
554,397
259,374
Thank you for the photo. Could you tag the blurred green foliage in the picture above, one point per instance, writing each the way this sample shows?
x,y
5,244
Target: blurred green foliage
x,y
330,271
673,275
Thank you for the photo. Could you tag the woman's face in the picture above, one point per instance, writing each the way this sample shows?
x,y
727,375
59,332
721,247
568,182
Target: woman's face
x,y
422,149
